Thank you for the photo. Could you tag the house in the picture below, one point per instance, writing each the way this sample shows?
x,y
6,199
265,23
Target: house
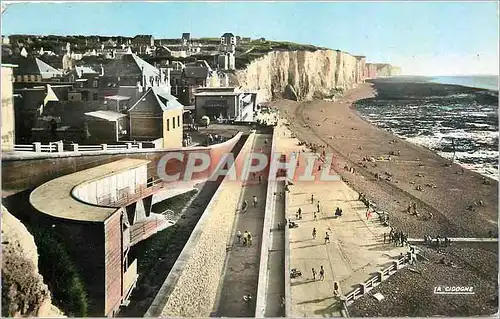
x,y
33,69
157,114
228,42
226,61
143,40
226,103
8,117
186,38
106,127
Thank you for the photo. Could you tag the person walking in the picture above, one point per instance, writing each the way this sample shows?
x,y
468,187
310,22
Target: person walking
x,y
336,289
315,216
245,238
249,242
314,274
317,206
254,201
312,198
314,233
244,206
327,238
321,273
260,179
384,238
238,235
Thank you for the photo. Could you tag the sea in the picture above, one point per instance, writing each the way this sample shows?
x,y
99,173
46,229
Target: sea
x,y
455,116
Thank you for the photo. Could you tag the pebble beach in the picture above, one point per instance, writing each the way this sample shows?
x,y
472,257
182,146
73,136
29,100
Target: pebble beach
x,y
451,201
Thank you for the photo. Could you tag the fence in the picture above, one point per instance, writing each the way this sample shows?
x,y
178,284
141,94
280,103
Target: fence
x,y
58,147
127,197
374,281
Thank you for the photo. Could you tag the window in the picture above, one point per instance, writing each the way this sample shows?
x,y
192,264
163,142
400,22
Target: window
x,y
173,123
178,120
95,97
168,124
94,84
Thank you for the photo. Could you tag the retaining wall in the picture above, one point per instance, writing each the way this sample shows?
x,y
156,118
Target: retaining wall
x,y
190,289
260,307
288,286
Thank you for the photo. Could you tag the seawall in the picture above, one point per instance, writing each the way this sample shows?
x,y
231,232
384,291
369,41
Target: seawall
x,y
190,289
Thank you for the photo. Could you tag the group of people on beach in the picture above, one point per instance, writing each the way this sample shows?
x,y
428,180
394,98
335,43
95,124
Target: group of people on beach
x,y
438,241
398,238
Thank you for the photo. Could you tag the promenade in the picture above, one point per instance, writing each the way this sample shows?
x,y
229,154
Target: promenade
x,y
356,250
242,262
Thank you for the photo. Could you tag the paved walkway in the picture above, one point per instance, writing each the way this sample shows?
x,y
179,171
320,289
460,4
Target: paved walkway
x,y
242,263
355,252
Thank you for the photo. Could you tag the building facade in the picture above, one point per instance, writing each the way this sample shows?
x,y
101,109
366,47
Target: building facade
x,y
225,103
8,116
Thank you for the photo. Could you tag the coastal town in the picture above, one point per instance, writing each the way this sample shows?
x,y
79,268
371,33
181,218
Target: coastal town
x,y
93,127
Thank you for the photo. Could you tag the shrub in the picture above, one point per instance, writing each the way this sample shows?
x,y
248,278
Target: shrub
x,y
61,275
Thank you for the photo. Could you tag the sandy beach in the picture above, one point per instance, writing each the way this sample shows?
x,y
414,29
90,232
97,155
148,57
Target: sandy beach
x,y
446,192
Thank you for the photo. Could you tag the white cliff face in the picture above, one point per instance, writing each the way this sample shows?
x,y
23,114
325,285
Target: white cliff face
x,y
311,74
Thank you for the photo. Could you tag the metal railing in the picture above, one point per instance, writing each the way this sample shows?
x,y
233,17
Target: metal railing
x,y
126,198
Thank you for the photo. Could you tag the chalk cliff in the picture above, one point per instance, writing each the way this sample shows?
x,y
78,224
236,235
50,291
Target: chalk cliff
x,y
302,75
24,293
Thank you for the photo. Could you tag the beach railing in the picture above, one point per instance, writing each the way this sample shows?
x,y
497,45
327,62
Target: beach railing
x,y
374,281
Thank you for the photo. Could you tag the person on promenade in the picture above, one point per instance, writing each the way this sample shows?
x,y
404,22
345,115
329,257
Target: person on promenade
x,y
249,241
300,213
312,198
260,179
384,238
254,201
314,274
327,238
321,273
336,289
314,233
245,238
244,206
317,206
315,216
238,235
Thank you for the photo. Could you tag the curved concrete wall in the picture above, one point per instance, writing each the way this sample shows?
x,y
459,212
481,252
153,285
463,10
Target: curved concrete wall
x,y
190,289
21,172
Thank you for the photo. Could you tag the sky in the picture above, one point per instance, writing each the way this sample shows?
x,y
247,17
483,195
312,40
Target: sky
x,y
423,38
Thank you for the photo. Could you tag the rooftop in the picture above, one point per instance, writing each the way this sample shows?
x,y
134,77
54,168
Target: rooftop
x,y
55,198
117,97
219,93
106,115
